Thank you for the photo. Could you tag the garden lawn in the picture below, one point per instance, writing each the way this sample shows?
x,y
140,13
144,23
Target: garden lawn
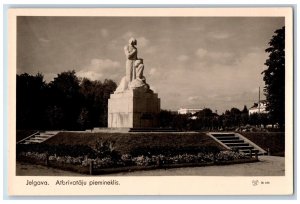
x,y
126,142
275,141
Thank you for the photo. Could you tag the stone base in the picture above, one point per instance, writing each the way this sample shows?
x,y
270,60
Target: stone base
x,y
133,109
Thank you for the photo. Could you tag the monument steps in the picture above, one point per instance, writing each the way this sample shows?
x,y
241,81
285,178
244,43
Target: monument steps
x,y
237,142
38,137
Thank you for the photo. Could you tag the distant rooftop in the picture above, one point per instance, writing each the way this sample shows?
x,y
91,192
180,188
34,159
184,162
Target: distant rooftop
x,y
189,110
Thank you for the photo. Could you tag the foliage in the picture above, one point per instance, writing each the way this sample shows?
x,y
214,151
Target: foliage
x,y
208,120
166,118
274,77
67,102
229,156
31,101
106,149
128,160
59,150
169,151
64,93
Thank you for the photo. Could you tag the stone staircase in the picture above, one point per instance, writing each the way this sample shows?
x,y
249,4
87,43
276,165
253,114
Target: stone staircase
x,y
236,141
38,137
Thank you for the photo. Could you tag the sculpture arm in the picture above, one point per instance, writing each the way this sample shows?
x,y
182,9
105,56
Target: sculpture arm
x,y
129,53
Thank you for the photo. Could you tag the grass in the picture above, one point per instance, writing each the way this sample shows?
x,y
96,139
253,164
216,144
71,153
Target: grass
x,y
126,142
274,141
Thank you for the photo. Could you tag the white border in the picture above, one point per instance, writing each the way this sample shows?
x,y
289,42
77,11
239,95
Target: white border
x,y
163,185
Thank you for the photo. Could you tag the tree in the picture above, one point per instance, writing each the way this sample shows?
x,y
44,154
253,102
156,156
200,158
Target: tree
x,y
245,116
83,119
274,77
65,103
65,94
206,118
235,115
30,101
95,101
166,118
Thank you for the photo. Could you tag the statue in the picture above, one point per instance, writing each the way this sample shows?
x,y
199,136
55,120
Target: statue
x,y
134,70
139,81
131,54
139,69
133,104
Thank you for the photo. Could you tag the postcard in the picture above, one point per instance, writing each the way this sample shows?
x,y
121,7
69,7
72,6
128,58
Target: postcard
x,y
150,101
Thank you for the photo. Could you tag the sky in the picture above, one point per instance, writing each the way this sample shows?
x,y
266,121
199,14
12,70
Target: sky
x,y
191,62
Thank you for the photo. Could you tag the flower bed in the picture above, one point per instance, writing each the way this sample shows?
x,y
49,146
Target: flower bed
x,y
104,158
127,162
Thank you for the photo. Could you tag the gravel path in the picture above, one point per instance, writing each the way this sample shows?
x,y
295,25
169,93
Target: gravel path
x,y
268,166
25,169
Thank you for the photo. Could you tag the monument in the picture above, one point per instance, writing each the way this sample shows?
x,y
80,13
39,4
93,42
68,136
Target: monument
x,y
133,104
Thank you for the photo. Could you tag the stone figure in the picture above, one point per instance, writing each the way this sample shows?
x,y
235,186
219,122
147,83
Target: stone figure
x,y
140,80
131,55
139,69
134,78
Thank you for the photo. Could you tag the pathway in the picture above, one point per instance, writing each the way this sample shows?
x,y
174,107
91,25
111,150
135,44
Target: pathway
x,y
268,166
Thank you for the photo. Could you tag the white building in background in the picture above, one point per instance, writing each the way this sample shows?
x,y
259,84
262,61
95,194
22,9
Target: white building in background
x,y
189,110
258,107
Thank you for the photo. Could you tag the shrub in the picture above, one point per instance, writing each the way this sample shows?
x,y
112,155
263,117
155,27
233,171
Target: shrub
x,y
102,150
172,151
229,155
106,149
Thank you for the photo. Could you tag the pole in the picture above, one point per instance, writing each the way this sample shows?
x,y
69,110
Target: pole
x,y
259,100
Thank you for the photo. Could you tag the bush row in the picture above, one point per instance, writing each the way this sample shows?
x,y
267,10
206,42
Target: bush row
x,y
171,151
102,150
129,160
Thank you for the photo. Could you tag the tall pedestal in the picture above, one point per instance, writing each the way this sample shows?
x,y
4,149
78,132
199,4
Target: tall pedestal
x,y
133,109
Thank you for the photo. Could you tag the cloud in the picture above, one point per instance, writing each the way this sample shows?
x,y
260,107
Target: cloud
x,y
92,75
201,52
216,57
150,49
196,28
153,72
103,64
99,69
49,77
43,40
142,42
219,36
114,44
223,56
193,99
104,32
182,58
126,36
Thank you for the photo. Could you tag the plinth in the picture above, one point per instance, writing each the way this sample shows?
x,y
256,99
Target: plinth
x,y
133,109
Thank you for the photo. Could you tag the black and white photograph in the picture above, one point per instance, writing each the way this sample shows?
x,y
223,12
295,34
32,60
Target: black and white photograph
x,y
146,95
